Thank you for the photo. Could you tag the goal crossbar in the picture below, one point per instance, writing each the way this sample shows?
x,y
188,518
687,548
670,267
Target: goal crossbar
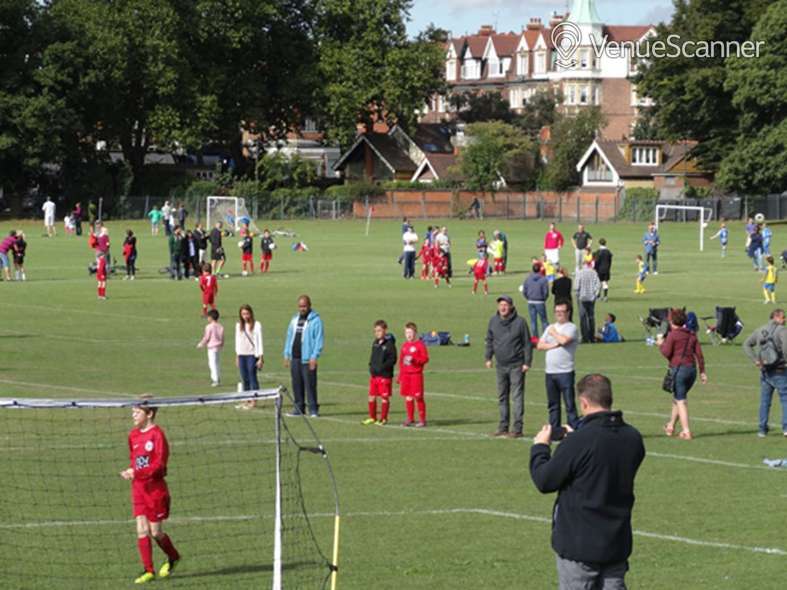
x,y
699,209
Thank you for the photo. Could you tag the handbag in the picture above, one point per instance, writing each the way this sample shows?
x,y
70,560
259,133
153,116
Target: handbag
x,y
668,383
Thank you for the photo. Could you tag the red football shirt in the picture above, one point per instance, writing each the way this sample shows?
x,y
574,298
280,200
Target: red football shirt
x,y
149,452
208,284
412,358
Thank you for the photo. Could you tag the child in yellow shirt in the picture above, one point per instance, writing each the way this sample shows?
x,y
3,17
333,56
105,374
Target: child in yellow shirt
x,y
769,280
642,272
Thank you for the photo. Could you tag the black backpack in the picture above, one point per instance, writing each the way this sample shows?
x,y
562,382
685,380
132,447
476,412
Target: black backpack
x,y
770,353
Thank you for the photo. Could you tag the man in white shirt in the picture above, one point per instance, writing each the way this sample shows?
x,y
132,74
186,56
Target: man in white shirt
x,y
49,217
444,243
409,239
560,343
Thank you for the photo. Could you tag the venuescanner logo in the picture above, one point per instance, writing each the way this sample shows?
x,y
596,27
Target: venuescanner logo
x,y
567,38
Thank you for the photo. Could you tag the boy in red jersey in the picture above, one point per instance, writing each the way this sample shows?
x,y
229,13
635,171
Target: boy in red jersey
x,y
267,246
381,370
149,452
247,253
425,254
101,275
209,285
440,266
480,272
412,359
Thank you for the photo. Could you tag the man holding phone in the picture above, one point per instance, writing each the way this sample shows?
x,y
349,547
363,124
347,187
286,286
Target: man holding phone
x,y
559,341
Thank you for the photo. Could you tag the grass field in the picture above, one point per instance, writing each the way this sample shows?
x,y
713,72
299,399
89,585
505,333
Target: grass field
x,y
444,507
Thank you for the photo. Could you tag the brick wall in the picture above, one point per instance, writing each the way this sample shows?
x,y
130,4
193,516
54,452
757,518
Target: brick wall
x,y
616,105
583,205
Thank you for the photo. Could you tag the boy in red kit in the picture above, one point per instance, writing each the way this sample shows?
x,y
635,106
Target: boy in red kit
x,y
149,452
101,275
440,267
267,246
480,272
209,286
381,370
412,359
247,253
425,254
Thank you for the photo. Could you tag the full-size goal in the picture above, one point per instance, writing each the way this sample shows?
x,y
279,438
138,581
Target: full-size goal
x,y
231,211
254,503
686,213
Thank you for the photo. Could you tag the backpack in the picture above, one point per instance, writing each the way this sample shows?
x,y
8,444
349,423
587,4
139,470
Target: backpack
x,y
770,352
692,323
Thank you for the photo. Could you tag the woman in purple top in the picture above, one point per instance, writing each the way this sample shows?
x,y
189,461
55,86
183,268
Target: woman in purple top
x,y
5,247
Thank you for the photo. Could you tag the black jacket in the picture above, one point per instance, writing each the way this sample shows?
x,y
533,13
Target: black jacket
x,y
593,471
603,261
561,289
509,340
383,359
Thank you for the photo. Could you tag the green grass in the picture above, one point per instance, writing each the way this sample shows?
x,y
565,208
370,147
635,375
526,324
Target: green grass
x,y
446,507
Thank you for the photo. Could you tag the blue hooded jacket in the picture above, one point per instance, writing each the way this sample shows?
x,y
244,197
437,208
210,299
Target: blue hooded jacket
x,y
312,339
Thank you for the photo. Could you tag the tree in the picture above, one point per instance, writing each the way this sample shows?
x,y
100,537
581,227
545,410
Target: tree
x,y
691,100
369,69
758,161
279,171
571,136
477,107
539,111
496,149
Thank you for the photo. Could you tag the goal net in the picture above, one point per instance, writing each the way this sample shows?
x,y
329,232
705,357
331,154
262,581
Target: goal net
x,y
253,501
687,214
231,211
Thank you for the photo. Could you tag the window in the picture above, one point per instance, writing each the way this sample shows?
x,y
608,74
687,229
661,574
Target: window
x,y
584,95
521,64
495,68
584,59
571,94
309,125
440,104
517,97
596,95
450,69
541,62
471,70
644,156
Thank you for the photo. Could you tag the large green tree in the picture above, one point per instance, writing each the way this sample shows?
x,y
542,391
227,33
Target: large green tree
x,y
496,150
758,160
369,69
570,137
477,107
691,98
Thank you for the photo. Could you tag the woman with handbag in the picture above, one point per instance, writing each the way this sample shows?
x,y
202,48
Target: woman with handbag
x,y
248,351
683,351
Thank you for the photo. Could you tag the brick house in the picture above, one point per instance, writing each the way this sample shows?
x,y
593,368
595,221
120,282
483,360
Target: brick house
x,y
520,64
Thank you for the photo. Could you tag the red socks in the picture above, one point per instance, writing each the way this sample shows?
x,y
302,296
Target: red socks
x,y
409,407
421,409
167,547
146,553
102,291
385,405
373,410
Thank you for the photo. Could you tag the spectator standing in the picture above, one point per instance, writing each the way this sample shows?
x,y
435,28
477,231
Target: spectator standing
x,y
561,288
593,472
201,241
166,214
49,217
508,341
181,217
410,239
176,254
191,266
130,254
587,286
76,215
581,240
683,351
603,266
651,242
553,242
535,289
559,341
6,250
302,349
248,351
765,347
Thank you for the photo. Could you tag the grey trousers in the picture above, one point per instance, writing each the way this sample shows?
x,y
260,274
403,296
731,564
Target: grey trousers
x,y
511,387
576,575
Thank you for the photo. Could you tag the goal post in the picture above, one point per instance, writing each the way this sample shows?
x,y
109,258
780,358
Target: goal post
x,y
254,501
704,215
231,211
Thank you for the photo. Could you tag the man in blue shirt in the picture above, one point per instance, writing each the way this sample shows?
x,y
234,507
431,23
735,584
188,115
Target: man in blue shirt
x,y
302,347
652,241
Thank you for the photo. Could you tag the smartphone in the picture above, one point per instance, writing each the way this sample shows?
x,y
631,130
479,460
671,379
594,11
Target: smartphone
x,y
558,433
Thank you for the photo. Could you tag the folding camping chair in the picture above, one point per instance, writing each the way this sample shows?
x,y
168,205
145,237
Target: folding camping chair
x,y
728,325
656,323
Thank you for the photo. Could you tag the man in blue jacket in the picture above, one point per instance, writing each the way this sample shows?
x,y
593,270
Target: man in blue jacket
x,y
651,241
302,348
535,290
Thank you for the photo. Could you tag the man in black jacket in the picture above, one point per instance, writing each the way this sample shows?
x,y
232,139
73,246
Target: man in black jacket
x,y
603,266
593,471
381,370
508,340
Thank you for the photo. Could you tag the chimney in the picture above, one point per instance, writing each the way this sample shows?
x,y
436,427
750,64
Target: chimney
x,y
556,19
534,24
486,30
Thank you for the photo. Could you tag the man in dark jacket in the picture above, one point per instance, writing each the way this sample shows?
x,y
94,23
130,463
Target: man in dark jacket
x,y
593,471
176,249
381,370
603,266
508,340
536,290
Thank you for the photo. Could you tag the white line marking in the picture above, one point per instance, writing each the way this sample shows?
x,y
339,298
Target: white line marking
x,y
404,513
707,461
66,388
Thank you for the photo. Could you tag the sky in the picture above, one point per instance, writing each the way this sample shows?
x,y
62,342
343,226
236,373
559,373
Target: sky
x,y
466,16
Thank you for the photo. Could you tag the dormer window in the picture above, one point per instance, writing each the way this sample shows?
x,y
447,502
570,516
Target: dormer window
x,y
471,69
645,156
521,64
541,62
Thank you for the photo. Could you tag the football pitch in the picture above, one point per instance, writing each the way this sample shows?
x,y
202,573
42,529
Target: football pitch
x,y
442,507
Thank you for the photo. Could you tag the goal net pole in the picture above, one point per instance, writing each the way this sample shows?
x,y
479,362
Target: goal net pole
x,y
701,217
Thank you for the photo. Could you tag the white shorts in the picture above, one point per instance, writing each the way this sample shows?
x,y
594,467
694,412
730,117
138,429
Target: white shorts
x,y
49,220
553,255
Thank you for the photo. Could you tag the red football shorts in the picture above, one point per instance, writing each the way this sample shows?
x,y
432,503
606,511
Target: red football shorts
x,y
380,386
151,501
208,298
479,274
411,385
246,257
101,277
266,256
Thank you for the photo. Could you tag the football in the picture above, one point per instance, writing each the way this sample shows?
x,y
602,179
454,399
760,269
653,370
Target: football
x,y
759,217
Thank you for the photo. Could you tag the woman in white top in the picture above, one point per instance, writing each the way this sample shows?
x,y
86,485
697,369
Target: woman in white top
x,y
248,349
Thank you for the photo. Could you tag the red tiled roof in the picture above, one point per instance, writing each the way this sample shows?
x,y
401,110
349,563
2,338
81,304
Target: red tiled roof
x,y
621,33
531,37
505,44
441,163
477,44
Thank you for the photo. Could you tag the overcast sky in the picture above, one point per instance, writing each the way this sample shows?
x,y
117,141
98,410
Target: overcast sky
x,y
465,16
